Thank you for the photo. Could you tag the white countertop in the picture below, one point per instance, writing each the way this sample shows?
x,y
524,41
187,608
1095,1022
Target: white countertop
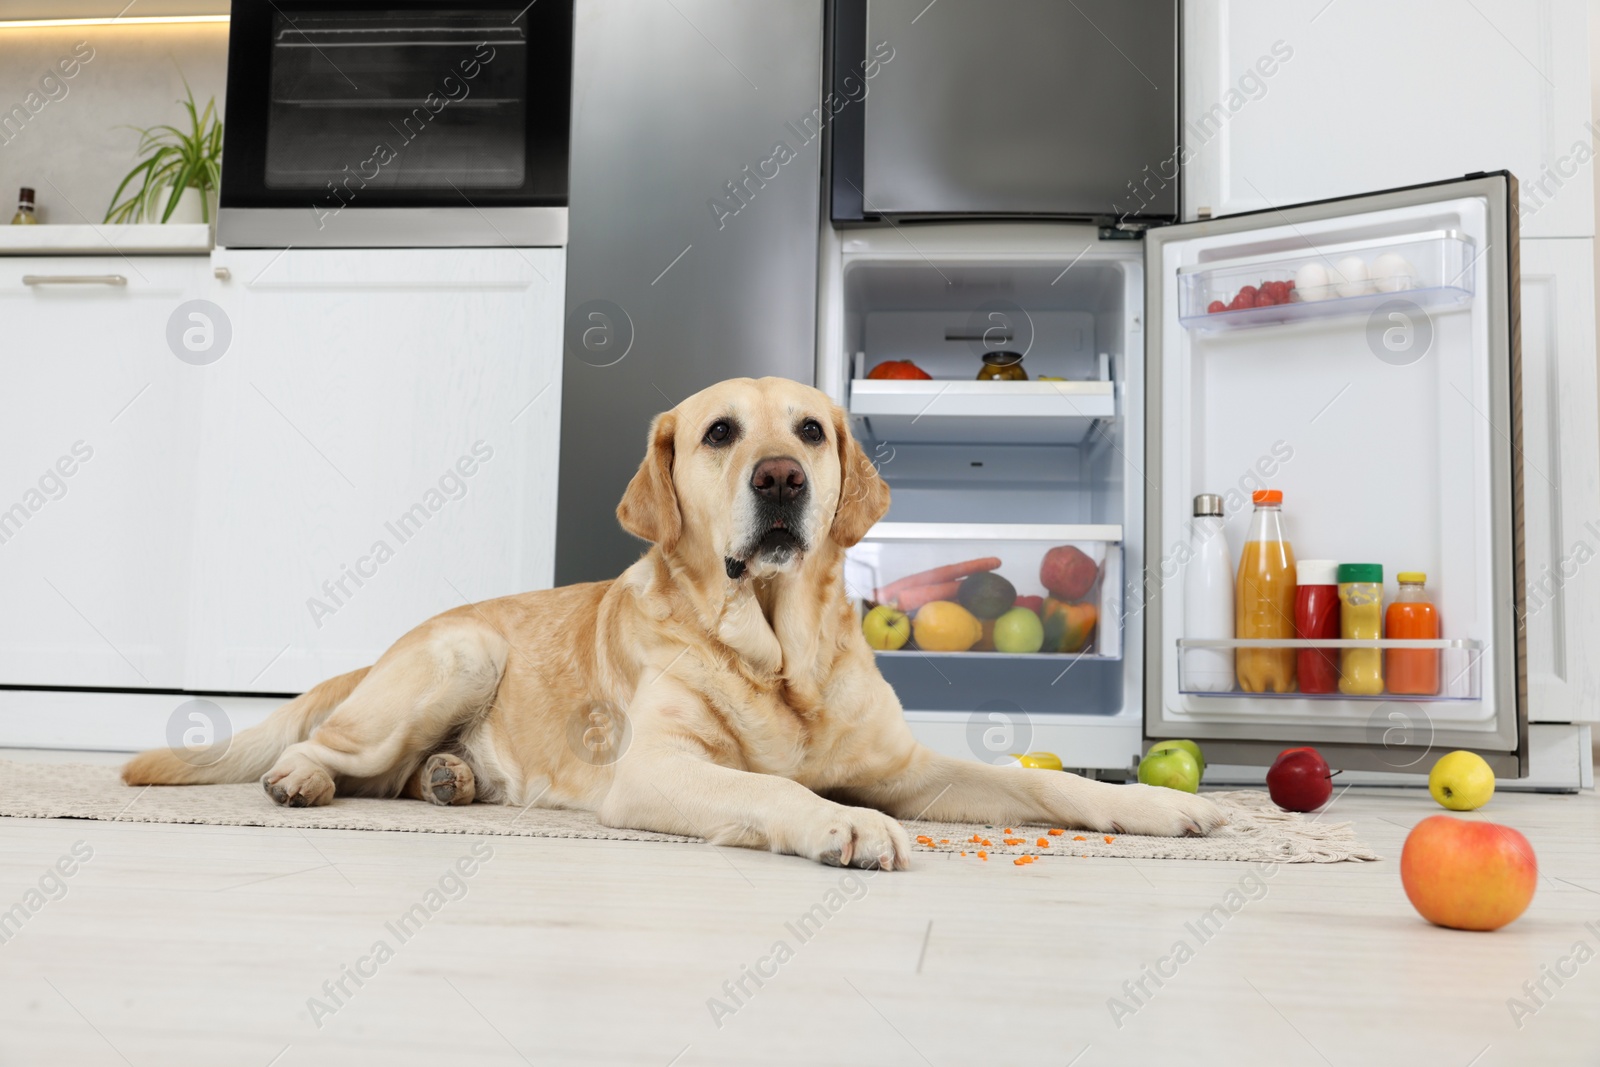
x,y
47,239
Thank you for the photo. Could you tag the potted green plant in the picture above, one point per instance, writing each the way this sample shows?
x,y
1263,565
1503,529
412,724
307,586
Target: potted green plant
x,y
180,167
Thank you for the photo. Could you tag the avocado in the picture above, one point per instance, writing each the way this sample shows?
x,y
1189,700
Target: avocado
x,y
986,595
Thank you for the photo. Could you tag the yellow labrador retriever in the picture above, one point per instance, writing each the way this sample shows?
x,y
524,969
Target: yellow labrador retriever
x,y
720,688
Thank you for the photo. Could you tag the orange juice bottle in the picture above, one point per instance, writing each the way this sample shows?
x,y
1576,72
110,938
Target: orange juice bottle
x,y
1414,672
1264,601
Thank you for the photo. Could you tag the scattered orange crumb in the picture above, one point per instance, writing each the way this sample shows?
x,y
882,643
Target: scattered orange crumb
x,y
1043,842
1023,861
1057,833
1012,840
963,853
1009,830
1109,839
1080,837
986,843
982,855
944,840
975,839
924,839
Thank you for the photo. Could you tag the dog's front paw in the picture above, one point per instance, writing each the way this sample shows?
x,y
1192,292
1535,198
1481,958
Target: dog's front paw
x,y
1158,812
856,837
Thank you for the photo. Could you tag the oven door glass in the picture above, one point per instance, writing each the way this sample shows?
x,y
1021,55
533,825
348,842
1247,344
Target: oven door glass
x,y
398,105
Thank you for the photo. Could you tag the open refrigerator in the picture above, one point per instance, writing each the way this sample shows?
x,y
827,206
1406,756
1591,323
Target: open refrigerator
x,y
1382,399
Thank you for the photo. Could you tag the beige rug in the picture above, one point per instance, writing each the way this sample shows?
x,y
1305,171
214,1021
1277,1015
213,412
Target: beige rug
x,y
1257,830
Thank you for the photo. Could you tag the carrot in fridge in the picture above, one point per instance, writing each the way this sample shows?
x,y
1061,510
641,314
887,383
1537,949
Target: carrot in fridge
x,y
938,575
913,598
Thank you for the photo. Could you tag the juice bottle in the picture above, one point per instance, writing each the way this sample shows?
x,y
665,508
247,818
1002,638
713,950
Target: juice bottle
x,y
1316,614
1263,606
1414,671
1361,619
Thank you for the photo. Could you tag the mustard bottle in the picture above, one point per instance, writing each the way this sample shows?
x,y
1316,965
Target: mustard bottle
x,y
1361,619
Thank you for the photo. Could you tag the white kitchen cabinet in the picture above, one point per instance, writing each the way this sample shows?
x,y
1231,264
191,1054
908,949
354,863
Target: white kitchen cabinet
x,y
379,445
97,469
1561,480
1358,95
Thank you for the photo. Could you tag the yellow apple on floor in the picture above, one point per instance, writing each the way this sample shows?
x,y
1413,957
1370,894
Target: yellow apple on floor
x,y
1461,781
1467,875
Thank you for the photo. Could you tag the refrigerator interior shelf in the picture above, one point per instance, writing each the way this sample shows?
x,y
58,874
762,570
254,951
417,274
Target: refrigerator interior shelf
x,y
1459,665
953,411
1331,281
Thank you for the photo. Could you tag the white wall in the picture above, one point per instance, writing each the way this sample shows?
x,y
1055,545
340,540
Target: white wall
x,y
73,151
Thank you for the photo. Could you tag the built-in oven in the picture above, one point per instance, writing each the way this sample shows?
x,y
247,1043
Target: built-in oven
x,y
398,123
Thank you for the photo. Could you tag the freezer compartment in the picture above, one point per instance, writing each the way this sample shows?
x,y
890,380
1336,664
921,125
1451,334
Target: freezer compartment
x,y
946,412
990,591
1328,280
1451,668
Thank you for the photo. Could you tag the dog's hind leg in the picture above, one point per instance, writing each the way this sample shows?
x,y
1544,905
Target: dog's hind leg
x,y
444,778
433,683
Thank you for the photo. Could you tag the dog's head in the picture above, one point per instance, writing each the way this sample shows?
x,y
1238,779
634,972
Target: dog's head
x,y
753,475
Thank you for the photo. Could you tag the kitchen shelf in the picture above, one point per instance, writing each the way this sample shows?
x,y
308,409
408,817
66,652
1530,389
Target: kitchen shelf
x,y
1424,271
964,412
72,239
895,550
1460,667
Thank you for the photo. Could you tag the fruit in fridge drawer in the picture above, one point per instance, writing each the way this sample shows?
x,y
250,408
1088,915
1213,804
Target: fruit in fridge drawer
x,y
1067,627
898,369
886,629
945,626
1215,306
1170,767
1068,573
1034,604
1018,631
986,595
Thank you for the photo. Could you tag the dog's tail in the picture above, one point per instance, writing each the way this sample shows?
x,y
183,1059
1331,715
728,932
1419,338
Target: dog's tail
x,y
253,752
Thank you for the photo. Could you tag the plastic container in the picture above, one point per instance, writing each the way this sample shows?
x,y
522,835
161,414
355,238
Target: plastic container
x,y
1264,599
1361,619
1208,599
1412,616
1316,615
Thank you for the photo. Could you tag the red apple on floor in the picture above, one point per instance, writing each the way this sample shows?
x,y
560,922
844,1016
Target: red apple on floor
x,y
1468,874
1299,780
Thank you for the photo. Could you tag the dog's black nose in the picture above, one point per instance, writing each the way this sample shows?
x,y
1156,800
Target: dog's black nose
x,y
779,480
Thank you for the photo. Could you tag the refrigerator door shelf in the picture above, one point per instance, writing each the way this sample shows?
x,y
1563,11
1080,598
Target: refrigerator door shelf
x,y
1089,626
1460,666
1331,280
967,412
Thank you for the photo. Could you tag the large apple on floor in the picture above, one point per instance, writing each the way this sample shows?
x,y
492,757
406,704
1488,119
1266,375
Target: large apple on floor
x,y
1468,875
1299,780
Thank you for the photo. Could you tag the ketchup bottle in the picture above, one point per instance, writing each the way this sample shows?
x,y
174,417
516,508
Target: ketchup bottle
x,y
1316,615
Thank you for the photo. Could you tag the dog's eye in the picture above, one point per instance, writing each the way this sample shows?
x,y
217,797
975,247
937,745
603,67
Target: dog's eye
x,y
811,431
719,432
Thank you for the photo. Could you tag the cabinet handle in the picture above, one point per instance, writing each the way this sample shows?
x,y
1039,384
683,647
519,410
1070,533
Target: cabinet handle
x,y
74,279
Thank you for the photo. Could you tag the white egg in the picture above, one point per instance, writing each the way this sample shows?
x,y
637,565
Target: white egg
x,y
1311,282
1353,280
1392,272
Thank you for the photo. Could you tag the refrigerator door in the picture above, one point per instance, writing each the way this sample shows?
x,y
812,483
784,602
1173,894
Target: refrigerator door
x,y
1361,356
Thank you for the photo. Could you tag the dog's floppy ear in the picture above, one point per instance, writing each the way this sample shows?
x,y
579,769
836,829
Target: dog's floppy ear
x,y
649,508
863,494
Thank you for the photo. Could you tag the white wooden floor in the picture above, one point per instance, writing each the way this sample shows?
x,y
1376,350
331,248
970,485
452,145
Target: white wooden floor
x,y
202,945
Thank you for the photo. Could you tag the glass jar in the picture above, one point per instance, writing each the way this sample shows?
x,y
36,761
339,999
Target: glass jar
x,y
1361,619
1002,367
